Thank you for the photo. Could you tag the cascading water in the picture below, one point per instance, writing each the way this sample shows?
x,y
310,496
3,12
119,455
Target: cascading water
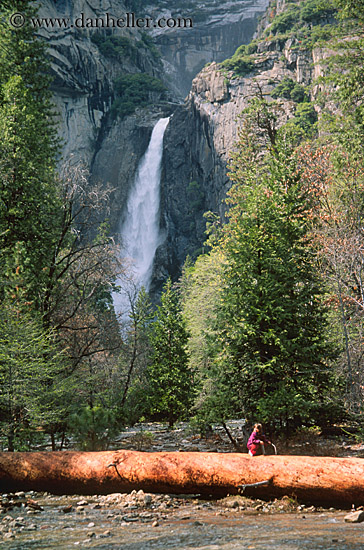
x,y
140,234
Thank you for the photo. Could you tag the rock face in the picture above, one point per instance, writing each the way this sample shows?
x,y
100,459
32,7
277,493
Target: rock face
x,y
110,148
218,29
202,134
83,91
84,75
202,131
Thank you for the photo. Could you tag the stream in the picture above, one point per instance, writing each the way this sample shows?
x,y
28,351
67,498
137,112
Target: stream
x,y
139,521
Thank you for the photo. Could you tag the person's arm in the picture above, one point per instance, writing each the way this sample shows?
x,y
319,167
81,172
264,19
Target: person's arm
x,y
254,439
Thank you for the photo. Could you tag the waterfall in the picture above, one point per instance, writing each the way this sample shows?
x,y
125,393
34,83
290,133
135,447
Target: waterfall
x,y
139,232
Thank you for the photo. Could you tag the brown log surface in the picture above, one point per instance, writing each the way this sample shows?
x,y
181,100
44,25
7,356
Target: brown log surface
x,y
324,480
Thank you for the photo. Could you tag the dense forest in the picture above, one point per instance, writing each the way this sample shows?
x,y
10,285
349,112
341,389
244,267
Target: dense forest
x,y
265,325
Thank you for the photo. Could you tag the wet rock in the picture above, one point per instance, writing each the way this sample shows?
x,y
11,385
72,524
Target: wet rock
x,y
311,509
355,517
67,509
34,505
130,519
155,523
82,503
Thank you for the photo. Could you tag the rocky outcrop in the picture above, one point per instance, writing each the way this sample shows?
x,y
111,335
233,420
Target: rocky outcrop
x,y
203,132
84,75
218,29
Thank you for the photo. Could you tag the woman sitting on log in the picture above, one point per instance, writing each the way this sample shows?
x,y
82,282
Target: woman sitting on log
x,y
257,440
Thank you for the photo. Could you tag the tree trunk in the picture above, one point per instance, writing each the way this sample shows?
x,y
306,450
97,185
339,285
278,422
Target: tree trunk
x,y
322,480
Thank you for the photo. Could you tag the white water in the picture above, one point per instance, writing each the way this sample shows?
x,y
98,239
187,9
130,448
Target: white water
x,y
140,234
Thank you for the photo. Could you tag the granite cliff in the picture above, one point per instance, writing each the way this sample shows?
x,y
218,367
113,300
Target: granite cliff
x,y
202,130
85,67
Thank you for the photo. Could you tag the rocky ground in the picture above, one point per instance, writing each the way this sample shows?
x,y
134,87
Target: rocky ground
x,y
157,437
144,521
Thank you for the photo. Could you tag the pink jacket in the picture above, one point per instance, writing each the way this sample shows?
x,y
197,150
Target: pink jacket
x,y
255,439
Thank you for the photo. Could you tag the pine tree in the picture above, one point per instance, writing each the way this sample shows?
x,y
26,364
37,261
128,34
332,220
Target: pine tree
x,y
274,357
171,380
29,204
31,390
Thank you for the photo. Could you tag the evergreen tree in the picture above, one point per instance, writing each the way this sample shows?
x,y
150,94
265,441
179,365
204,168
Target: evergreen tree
x,y
133,382
170,378
29,204
274,357
31,391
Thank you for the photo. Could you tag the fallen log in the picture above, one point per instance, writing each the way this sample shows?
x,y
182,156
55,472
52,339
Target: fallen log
x,y
323,480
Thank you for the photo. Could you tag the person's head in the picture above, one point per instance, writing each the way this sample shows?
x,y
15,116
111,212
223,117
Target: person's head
x,y
258,428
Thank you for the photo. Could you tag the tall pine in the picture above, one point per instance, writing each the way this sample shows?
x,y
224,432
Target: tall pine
x,y
171,382
29,206
274,355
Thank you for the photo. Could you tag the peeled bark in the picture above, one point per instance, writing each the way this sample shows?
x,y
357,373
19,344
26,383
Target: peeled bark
x,y
323,480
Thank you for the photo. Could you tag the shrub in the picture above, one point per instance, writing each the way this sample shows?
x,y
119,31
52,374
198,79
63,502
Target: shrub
x,y
147,41
305,116
314,10
115,47
132,91
289,89
93,428
284,21
241,65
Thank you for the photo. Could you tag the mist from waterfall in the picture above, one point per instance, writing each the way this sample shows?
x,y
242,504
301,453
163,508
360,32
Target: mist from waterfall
x,y
139,232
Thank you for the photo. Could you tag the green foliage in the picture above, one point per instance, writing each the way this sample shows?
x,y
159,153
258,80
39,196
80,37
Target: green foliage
x,y
306,12
303,21
289,89
240,64
115,47
134,90
133,362
171,380
285,20
270,359
148,41
200,289
29,203
31,392
314,10
351,8
94,428
305,117
51,272
142,440
273,319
